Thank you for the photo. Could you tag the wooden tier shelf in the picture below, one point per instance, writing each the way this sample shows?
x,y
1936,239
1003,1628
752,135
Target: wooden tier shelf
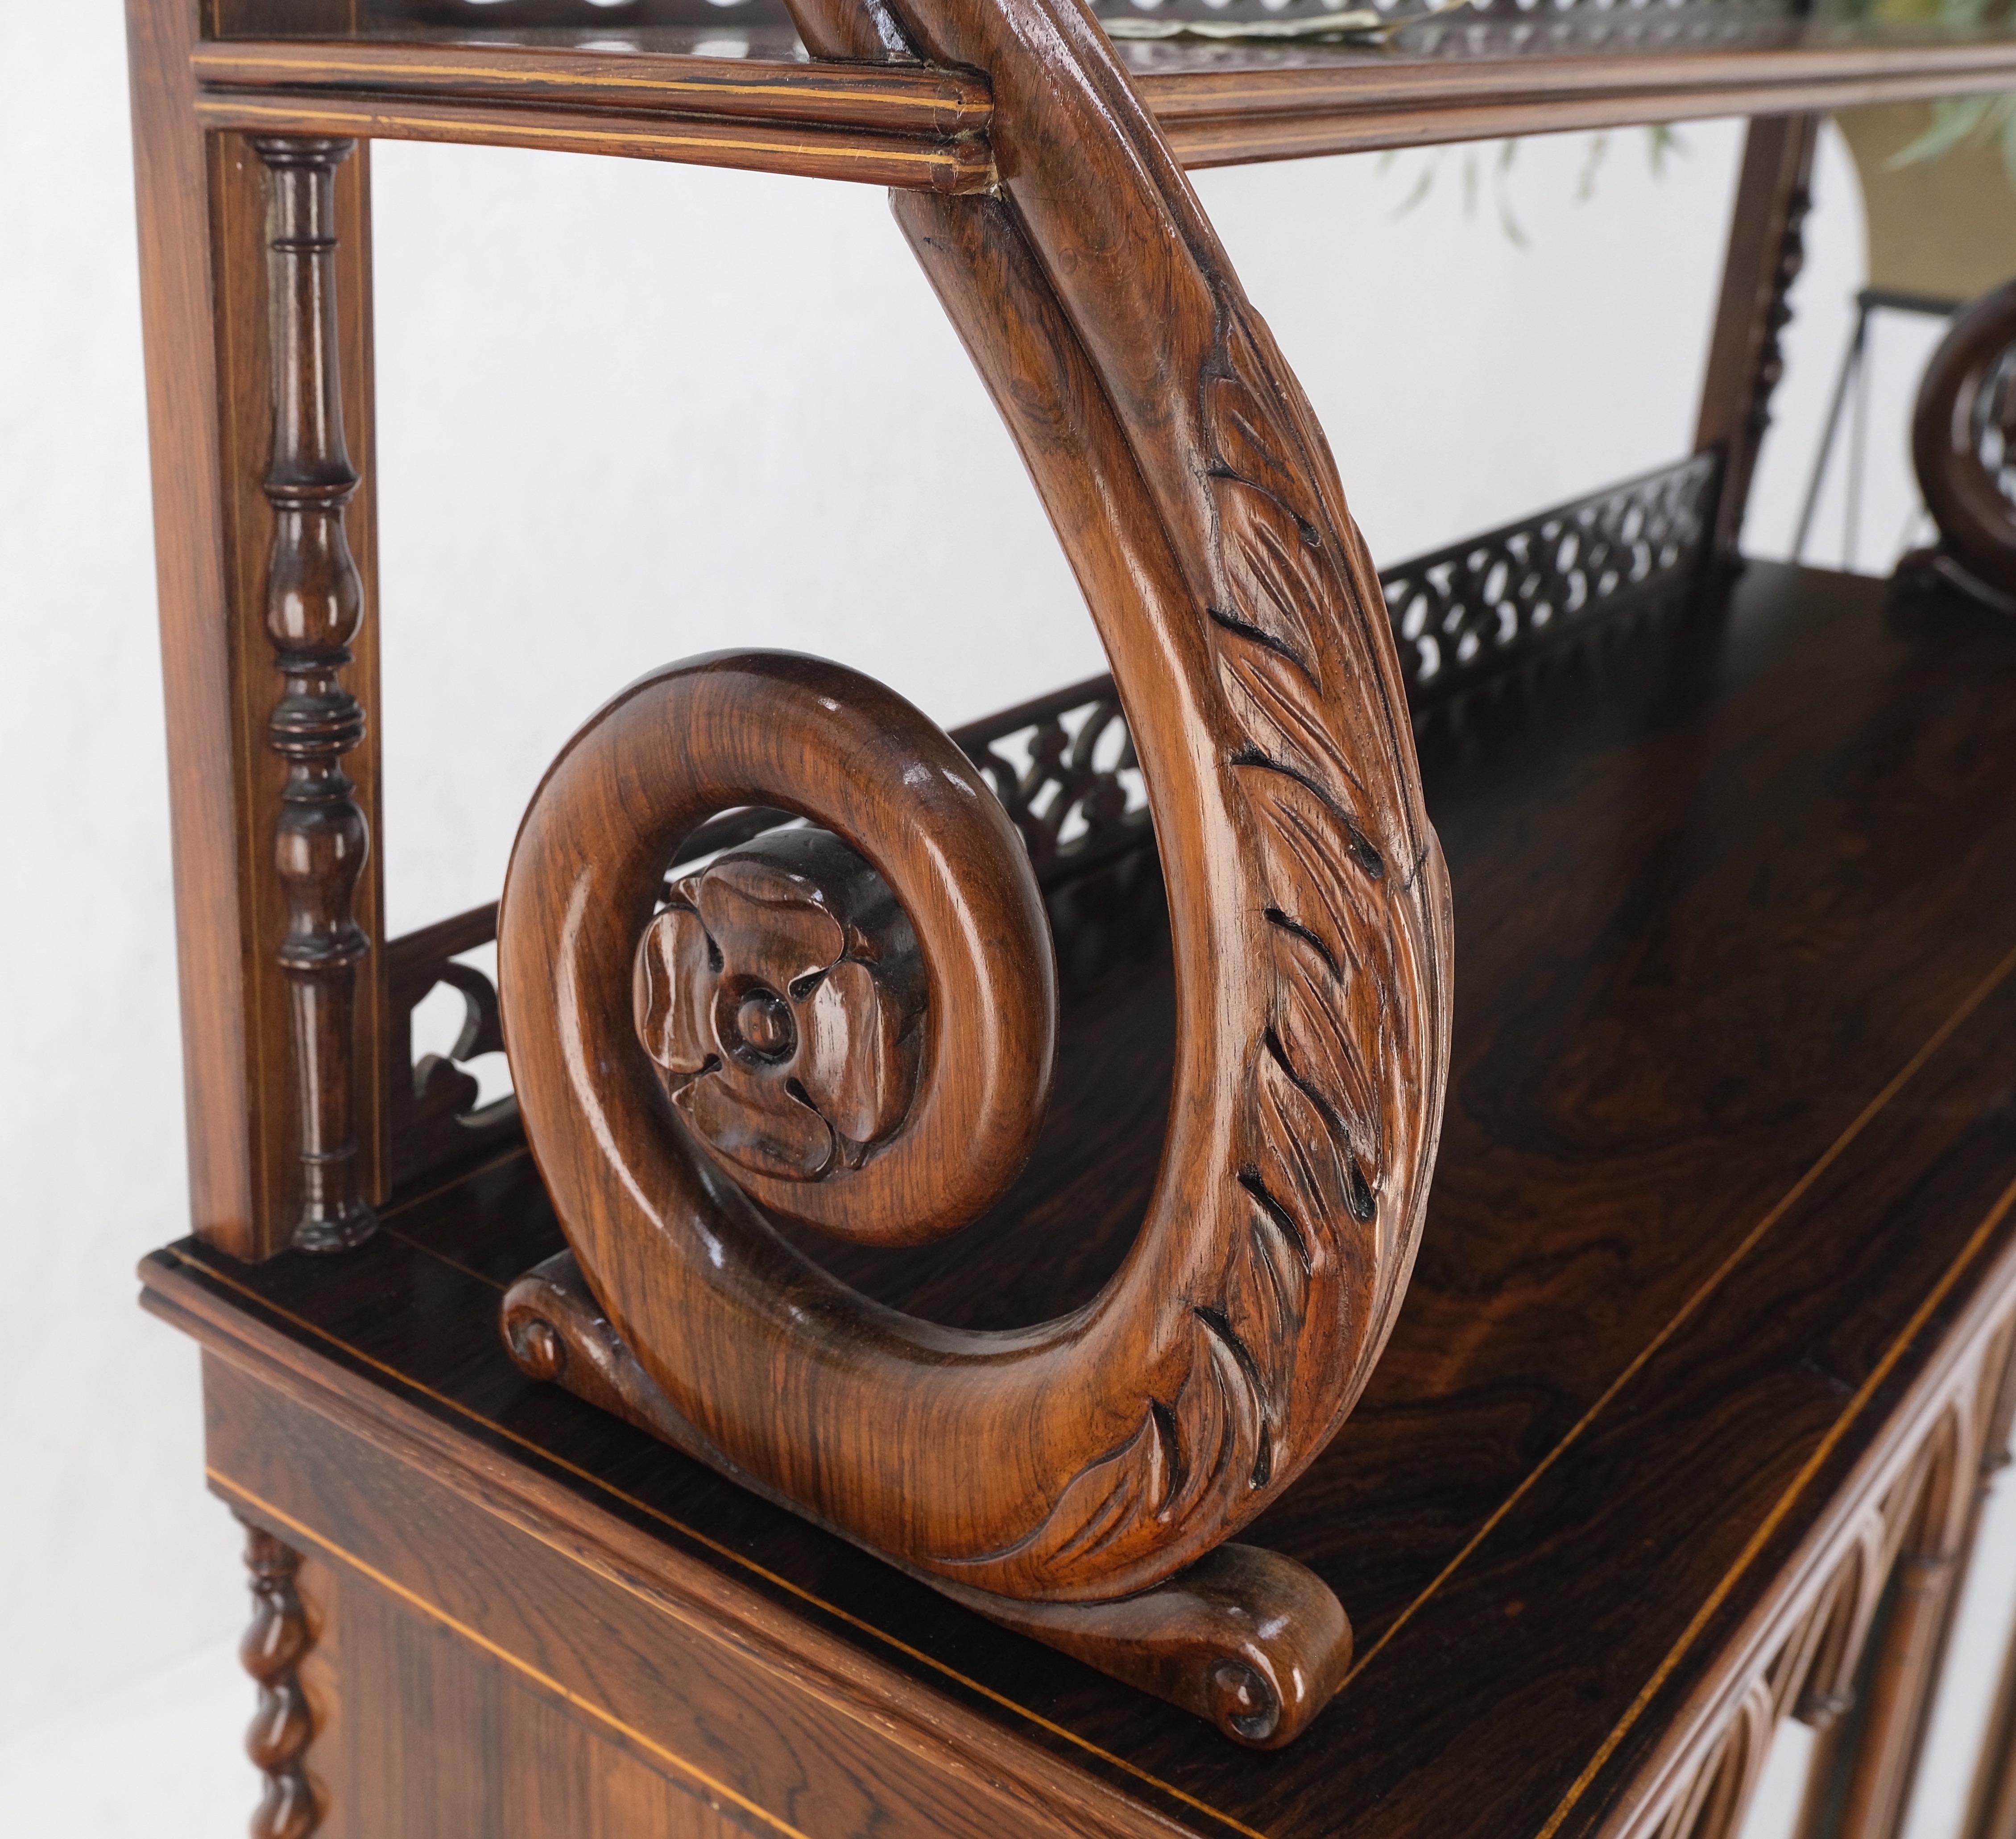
x,y
1723,1209
742,92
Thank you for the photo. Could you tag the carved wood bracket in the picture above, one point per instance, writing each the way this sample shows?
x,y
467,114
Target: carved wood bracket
x,y
1187,480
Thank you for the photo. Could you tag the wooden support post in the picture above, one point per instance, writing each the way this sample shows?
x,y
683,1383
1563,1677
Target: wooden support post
x,y
1744,361
202,261
314,606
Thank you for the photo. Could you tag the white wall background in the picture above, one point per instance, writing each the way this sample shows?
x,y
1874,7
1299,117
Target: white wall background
x,y
630,411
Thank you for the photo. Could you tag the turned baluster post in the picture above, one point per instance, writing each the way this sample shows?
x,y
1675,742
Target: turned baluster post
x,y
314,605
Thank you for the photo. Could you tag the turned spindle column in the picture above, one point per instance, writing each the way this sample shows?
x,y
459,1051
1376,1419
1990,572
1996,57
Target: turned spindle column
x,y
282,1729
315,603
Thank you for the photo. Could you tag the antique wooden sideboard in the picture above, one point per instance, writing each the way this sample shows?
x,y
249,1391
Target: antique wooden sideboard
x,y
1426,1174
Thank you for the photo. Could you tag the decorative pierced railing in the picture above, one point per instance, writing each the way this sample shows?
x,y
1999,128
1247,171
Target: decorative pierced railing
x,y
1473,610
1063,765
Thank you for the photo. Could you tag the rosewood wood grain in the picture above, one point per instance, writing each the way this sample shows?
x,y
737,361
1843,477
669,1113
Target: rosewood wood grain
x,y
1198,503
203,263
1893,1577
751,729
315,605
873,97
1218,105
1745,359
1302,107
933,162
1963,450
724,1687
273,1650
1251,1642
1722,1217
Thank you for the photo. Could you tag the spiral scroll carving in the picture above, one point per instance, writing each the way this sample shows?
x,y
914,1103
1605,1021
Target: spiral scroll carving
x,y
1086,1459
1964,445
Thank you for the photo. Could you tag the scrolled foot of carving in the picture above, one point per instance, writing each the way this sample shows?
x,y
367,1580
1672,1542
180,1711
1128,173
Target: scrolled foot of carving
x,y
278,1738
554,1330
1246,1639
1251,1641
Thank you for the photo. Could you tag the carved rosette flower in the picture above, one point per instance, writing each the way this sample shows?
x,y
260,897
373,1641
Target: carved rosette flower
x,y
782,994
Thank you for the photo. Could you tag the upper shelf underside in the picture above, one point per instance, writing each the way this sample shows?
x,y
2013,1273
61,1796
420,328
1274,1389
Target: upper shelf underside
x,y
730,84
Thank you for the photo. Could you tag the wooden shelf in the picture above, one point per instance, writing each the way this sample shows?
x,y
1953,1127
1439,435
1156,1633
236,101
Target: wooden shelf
x,y
745,97
742,92
1232,104
1724,1178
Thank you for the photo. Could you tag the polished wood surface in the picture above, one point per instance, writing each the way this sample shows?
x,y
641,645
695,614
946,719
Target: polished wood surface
x,y
283,1727
1224,106
783,993
935,162
203,297
1248,1640
1219,104
1684,1430
1185,477
1722,1236
313,607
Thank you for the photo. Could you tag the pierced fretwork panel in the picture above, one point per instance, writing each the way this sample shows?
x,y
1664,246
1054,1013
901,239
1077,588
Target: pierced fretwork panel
x,y
1064,768
1473,610
438,1115
1063,765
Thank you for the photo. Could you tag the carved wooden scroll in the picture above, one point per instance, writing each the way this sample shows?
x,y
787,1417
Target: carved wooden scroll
x,y
1963,447
315,600
1083,1460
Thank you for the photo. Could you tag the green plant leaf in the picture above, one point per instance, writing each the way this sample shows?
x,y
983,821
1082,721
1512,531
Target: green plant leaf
x,y
1420,191
1953,121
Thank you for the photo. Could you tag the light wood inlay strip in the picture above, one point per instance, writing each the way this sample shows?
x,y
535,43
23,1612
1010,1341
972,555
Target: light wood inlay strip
x,y
1772,1520
1716,1279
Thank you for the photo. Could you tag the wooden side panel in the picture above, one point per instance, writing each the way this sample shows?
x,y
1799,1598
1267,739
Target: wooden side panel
x,y
447,1740
201,216
473,1611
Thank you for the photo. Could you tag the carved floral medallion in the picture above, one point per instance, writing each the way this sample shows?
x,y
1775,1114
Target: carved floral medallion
x,y
782,995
